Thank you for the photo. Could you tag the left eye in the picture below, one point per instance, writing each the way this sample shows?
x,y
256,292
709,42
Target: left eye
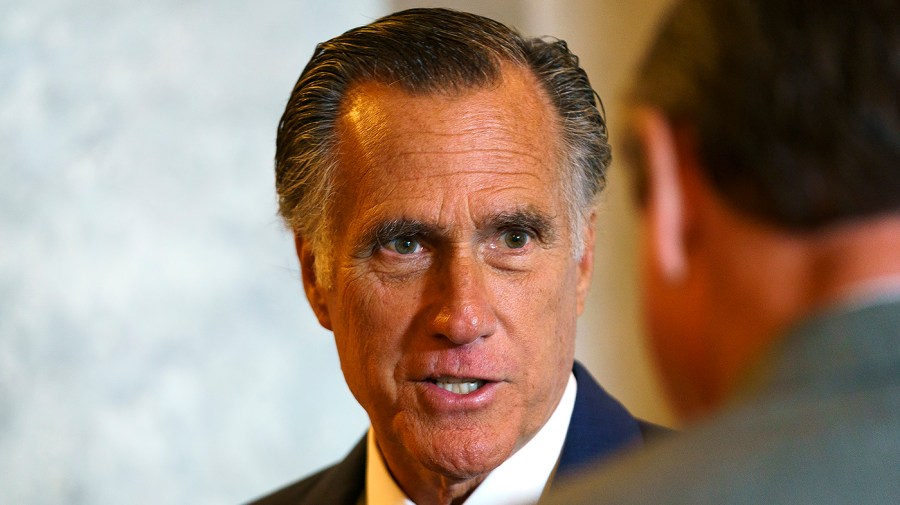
x,y
515,239
404,245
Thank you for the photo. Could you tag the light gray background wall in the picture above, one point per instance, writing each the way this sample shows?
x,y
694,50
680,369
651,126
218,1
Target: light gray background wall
x,y
155,345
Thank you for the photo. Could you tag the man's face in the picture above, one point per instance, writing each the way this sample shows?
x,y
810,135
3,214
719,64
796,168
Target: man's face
x,y
455,289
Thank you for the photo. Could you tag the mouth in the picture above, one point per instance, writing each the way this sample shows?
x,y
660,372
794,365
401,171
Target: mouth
x,y
458,385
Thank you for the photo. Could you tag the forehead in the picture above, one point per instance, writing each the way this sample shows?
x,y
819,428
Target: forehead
x,y
512,109
395,146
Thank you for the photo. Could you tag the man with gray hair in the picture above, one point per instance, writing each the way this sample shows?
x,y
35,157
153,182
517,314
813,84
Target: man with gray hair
x,y
768,139
439,173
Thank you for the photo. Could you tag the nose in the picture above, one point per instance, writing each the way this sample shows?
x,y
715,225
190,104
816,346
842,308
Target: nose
x,y
465,311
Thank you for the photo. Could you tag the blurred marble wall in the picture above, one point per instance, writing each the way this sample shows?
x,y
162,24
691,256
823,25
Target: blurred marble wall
x,y
155,343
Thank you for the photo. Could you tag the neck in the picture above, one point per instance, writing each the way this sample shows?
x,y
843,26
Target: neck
x,y
852,258
782,277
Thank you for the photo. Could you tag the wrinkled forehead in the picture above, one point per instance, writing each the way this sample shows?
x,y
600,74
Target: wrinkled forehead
x,y
447,159
507,122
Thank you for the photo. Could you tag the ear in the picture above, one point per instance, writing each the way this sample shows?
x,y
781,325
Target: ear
x,y
665,193
315,291
586,263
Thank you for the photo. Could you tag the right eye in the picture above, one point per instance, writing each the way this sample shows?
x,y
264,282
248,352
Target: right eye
x,y
404,245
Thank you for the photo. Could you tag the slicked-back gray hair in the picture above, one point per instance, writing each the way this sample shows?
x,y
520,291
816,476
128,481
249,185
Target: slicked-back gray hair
x,y
425,51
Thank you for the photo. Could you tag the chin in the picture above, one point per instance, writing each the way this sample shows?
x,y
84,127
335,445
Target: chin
x,y
462,456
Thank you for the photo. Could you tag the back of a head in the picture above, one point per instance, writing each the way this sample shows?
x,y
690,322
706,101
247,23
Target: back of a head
x,y
794,103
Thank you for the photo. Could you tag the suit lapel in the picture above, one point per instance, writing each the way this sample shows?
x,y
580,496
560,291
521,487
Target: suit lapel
x,y
600,426
344,482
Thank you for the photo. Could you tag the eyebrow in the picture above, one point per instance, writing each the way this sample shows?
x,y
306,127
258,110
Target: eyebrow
x,y
384,232
396,228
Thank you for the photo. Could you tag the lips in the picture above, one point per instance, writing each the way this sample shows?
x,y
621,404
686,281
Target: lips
x,y
451,395
458,383
459,386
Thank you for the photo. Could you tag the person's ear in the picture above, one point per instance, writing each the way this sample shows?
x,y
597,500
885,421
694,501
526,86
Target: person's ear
x,y
586,263
315,290
666,199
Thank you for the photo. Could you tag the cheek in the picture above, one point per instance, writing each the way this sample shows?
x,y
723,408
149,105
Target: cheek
x,y
544,319
659,310
547,335
668,318
675,320
368,333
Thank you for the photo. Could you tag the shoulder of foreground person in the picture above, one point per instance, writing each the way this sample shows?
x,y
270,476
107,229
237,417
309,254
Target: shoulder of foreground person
x,y
785,449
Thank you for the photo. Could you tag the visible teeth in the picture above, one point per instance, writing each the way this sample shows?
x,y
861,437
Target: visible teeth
x,y
460,388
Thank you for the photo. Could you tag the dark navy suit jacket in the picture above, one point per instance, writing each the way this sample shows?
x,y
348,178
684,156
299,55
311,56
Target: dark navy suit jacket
x,y
600,426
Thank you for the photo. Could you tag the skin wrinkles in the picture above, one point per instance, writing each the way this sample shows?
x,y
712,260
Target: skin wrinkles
x,y
465,305
436,247
479,128
506,154
538,228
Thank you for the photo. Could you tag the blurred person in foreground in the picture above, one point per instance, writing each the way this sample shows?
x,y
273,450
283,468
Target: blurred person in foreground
x,y
768,134
439,172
